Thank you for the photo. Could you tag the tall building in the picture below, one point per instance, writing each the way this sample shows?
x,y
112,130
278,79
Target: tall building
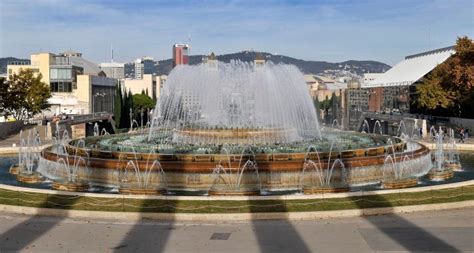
x,y
113,69
180,54
144,66
76,84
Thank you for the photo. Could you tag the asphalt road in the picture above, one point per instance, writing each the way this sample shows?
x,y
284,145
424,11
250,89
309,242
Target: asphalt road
x,y
445,231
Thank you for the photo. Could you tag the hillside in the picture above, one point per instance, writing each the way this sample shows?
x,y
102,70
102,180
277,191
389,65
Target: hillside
x,y
307,67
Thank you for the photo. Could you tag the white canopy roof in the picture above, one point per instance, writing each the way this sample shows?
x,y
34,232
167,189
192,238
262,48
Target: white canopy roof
x,y
411,69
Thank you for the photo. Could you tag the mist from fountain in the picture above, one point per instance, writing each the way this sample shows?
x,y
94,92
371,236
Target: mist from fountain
x,y
313,168
452,157
229,179
365,127
28,155
139,176
236,97
377,123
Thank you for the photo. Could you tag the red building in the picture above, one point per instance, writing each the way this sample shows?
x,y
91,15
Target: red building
x,y
180,54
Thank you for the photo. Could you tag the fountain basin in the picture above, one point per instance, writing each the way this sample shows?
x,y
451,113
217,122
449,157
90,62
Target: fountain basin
x,y
141,191
33,178
440,175
80,186
399,183
193,172
319,190
15,169
454,166
237,192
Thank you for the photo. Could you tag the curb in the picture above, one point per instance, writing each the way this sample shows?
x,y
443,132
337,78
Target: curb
x,y
292,216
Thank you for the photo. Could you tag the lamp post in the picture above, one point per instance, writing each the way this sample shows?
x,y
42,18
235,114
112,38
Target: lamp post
x,y
98,94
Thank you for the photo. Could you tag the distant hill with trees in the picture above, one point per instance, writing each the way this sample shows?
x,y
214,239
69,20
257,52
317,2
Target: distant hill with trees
x,y
307,67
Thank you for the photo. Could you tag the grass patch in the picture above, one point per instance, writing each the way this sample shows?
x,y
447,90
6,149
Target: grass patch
x,y
119,204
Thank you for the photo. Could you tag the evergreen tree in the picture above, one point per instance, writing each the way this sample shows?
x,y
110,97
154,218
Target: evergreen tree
x,y
130,104
118,104
125,119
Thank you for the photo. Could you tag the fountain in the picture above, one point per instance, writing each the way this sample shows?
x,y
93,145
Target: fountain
x,y
237,177
319,177
377,123
452,158
28,158
135,174
235,129
71,171
442,169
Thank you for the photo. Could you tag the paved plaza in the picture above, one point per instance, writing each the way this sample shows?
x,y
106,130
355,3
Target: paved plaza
x,y
444,231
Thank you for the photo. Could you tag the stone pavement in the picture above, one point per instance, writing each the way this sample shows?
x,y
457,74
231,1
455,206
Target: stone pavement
x,y
447,231
15,138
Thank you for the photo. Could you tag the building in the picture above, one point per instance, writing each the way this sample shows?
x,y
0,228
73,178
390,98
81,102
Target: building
x,y
150,84
210,61
390,92
113,69
74,81
180,54
259,60
321,89
370,77
144,66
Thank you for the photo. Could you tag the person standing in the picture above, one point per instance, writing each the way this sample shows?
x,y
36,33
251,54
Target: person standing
x,y
461,135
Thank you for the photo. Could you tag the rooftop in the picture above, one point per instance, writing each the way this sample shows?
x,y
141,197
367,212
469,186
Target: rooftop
x,y
412,68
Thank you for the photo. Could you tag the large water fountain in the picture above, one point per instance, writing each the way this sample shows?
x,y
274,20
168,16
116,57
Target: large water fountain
x,y
234,129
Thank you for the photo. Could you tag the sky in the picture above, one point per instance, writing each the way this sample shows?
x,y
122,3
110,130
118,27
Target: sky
x,y
322,30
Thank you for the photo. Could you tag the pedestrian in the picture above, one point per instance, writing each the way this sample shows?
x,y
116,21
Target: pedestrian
x,y
466,134
461,135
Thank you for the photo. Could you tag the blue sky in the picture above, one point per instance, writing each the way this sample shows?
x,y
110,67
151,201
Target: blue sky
x,y
334,31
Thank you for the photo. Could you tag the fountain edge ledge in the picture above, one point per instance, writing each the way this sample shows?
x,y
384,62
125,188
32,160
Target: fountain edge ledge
x,y
236,198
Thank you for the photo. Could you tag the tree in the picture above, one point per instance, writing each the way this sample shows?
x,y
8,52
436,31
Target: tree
x,y
24,95
450,86
142,101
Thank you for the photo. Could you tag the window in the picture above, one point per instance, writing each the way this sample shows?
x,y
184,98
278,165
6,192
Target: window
x,y
60,74
61,86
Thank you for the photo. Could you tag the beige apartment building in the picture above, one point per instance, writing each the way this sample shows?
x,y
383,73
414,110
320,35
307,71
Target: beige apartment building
x,y
78,86
151,83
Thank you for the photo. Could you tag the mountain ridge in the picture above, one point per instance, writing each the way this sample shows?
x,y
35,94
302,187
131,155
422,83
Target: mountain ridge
x,y
358,67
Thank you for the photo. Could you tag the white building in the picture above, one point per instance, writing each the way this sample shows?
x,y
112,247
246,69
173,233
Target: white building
x,y
411,69
113,69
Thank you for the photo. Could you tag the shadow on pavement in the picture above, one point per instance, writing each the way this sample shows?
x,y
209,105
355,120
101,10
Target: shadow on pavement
x,y
402,233
152,237
276,236
20,236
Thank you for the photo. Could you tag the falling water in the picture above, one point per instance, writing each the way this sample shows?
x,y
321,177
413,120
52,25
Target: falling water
x,y
238,96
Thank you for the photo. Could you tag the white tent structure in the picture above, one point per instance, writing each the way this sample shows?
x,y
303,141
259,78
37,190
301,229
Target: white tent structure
x,y
411,69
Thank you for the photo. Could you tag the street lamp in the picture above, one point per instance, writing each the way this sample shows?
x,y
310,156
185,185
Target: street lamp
x,y
98,94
